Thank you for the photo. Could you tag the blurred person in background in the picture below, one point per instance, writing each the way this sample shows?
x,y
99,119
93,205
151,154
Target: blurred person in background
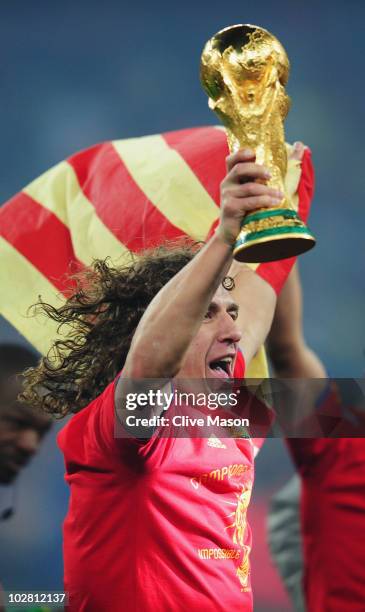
x,y
317,520
21,427
290,357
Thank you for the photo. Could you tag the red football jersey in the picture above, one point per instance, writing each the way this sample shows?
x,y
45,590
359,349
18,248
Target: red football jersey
x,y
153,526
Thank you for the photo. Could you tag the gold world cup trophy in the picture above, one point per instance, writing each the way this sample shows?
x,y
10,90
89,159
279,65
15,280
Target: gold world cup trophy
x,y
244,70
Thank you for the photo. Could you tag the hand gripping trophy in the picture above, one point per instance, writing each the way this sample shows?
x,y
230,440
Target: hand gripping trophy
x,y
244,70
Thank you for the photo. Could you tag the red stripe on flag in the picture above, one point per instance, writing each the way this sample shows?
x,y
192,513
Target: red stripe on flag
x,y
40,237
204,150
119,202
306,185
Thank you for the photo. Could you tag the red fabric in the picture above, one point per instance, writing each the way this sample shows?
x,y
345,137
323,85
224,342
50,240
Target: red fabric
x,y
333,510
148,523
38,234
118,200
204,149
239,366
50,246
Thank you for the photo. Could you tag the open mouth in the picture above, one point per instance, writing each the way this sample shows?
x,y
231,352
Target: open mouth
x,y
221,368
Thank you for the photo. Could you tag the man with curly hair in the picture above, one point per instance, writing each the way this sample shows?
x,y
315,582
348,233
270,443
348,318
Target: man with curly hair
x,y
158,523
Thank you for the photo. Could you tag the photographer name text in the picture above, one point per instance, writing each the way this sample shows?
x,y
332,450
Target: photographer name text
x,y
179,420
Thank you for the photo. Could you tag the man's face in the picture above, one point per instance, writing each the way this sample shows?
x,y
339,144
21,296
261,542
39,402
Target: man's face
x,y
21,432
213,351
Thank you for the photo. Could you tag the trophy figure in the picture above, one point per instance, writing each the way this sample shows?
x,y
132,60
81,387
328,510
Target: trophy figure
x,y
244,70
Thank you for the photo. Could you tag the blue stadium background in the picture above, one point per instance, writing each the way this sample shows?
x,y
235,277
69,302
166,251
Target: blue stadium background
x,y
74,74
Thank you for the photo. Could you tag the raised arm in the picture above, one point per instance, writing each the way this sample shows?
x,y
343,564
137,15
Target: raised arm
x,y
288,351
174,316
257,300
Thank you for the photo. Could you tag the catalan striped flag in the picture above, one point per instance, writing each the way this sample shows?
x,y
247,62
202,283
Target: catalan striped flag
x,y
112,199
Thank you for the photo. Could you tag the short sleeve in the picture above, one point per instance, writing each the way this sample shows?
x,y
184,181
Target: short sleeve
x,y
110,436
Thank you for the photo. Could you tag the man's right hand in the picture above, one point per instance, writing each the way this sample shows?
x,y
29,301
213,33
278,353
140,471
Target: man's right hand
x,y
240,193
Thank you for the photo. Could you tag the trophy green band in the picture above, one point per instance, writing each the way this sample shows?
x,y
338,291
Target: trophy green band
x,y
244,70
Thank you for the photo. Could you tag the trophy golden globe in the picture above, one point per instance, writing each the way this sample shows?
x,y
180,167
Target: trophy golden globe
x,y
244,70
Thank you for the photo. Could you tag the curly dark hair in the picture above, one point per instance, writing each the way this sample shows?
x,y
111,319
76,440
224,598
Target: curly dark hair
x,y
100,317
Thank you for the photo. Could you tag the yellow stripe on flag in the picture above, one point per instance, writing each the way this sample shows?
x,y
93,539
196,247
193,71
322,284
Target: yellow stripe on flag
x,y
292,178
49,189
22,284
252,266
58,190
258,367
169,183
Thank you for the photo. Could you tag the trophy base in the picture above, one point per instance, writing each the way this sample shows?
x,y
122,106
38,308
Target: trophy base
x,y
271,235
